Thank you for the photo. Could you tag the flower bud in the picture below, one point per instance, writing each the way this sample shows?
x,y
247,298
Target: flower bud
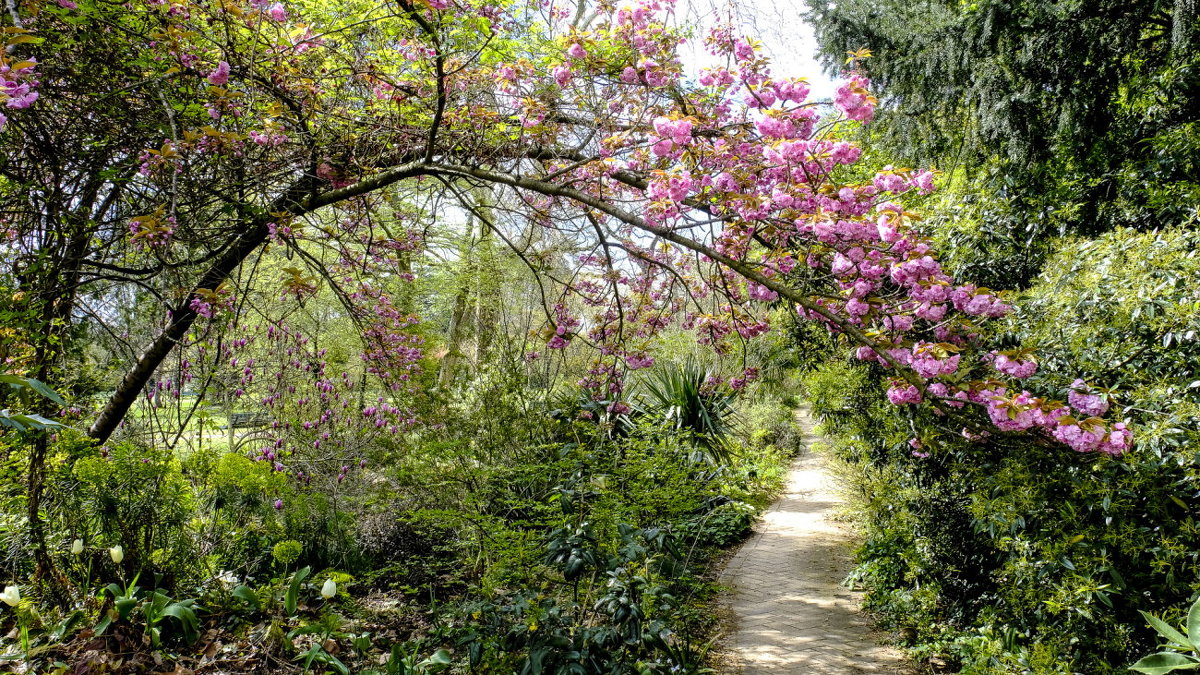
x,y
77,547
11,595
329,589
117,554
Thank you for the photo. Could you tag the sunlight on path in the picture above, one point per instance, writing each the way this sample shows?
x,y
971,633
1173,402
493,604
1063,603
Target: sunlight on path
x,y
791,613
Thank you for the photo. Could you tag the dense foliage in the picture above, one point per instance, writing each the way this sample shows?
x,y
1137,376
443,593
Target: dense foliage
x,y
518,541
482,310
1004,556
1068,133
1052,117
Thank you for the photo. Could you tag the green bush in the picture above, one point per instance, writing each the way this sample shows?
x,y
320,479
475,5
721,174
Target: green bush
x,y
1010,555
723,526
139,498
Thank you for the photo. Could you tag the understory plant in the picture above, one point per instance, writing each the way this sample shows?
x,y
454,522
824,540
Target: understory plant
x,y
999,553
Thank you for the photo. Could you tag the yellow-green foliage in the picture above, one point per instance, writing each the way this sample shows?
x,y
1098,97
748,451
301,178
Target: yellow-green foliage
x,y
287,552
1126,308
240,473
136,497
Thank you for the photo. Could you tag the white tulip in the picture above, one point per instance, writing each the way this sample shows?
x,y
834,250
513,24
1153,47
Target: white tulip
x,y
117,554
329,589
11,595
77,547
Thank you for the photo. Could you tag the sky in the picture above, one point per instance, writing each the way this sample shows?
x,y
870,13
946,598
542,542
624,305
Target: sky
x,y
786,38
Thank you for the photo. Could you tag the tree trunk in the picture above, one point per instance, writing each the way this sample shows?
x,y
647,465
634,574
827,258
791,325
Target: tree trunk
x,y
453,339
487,287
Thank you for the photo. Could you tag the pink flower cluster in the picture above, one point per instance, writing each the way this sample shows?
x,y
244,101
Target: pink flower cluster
x,y
269,138
926,361
671,136
152,233
206,308
565,325
1013,367
562,75
854,98
17,85
748,375
220,75
1082,399
1024,411
639,361
902,393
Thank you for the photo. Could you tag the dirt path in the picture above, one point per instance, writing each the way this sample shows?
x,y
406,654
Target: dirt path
x,y
791,613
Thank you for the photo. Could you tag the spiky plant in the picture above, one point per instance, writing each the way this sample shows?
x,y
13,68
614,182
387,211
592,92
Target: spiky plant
x,y
680,395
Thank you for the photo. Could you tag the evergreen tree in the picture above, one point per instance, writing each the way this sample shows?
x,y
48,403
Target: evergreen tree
x,y
1063,116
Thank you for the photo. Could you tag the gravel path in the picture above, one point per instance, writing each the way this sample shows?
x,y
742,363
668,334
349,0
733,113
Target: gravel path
x,y
791,613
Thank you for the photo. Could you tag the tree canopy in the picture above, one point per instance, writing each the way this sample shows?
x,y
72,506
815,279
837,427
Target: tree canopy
x,y
1061,113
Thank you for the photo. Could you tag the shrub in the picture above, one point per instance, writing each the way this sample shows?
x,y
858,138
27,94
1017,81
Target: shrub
x,y
1004,553
137,497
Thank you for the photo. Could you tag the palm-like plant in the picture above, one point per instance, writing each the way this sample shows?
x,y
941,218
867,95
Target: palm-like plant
x,y
681,396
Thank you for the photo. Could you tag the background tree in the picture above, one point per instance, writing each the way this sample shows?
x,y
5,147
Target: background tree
x,y
1051,118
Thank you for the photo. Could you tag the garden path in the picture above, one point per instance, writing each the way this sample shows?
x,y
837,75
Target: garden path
x,y
790,612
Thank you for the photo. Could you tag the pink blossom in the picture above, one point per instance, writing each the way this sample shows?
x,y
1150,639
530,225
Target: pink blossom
x,y
1085,402
1014,368
901,393
220,75
1080,439
562,75
1118,440
619,408
853,99
639,361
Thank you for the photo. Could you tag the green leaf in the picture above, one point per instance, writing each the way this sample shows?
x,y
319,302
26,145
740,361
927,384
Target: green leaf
x,y
24,422
293,592
66,625
104,622
246,595
437,662
18,382
331,661
42,389
125,606
187,619
7,419
1165,662
1168,632
1193,620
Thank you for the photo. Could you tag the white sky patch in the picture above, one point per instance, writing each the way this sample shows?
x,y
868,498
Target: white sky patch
x,y
786,38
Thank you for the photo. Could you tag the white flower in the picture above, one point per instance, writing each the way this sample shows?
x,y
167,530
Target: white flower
x,y
329,589
77,547
117,554
228,578
11,595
